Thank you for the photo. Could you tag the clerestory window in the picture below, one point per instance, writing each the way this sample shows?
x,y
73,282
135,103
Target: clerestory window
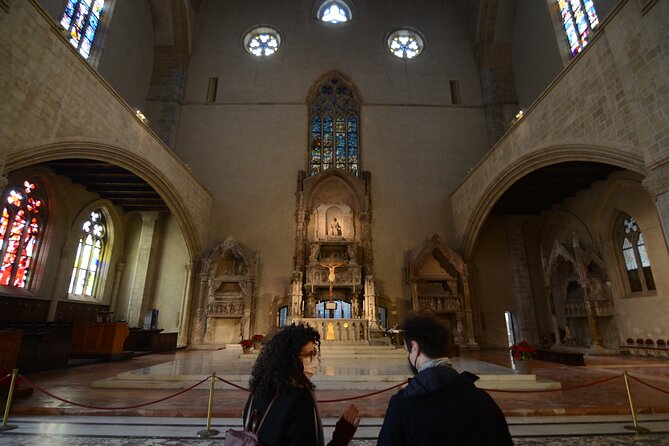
x,y
579,18
334,12
82,19
632,247
334,132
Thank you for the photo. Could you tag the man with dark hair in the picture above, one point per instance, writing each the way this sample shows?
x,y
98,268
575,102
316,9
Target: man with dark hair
x,y
439,406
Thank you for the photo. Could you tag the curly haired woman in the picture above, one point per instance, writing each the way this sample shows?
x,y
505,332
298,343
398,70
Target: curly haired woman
x,y
281,376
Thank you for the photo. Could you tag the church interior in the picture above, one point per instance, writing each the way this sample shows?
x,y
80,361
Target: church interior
x,y
181,176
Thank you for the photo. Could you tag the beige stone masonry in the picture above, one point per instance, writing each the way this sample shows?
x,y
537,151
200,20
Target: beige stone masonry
x,y
609,105
61,108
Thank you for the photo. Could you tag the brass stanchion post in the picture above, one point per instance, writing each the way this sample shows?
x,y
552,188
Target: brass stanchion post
x,y
10,394
636,428
209,432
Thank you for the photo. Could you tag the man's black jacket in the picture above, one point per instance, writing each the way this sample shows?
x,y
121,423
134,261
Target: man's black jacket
x,y
443,407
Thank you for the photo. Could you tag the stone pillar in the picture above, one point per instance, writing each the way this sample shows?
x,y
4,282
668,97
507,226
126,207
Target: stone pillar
x,y
597,341
370,303
187,295
200,310
60,286
469,320
139,298
118,274
520,275
3,183
657,185
551,305
247,291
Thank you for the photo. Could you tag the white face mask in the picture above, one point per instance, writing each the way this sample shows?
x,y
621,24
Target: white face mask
x,y
311,366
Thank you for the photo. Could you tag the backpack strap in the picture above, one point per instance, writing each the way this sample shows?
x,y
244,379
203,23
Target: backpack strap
x,y
257,425
252,424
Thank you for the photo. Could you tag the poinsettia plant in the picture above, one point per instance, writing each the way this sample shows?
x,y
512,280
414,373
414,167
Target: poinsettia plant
x,y
257,338
523,351
246,343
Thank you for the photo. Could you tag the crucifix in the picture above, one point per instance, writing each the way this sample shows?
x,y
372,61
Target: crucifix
x,y
331,277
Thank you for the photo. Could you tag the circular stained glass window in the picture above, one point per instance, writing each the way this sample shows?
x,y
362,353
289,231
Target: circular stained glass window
x,y
405,43
262,41
334,12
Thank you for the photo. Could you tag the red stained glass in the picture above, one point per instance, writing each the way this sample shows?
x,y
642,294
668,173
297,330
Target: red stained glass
x,y
20,229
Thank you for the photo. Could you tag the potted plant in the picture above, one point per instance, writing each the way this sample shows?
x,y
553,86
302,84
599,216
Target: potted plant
x,y
256,339
246,345
522,354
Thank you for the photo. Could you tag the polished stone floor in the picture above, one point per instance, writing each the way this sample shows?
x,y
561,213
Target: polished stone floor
x,y
546,418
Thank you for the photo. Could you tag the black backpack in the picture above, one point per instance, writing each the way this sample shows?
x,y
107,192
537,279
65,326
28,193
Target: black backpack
x,y
248,436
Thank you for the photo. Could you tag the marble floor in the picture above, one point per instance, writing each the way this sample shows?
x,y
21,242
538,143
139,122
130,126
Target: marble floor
x,y
535,417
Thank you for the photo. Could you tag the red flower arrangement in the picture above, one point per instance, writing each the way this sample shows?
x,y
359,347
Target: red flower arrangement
x,y
523,351
257,338
246,343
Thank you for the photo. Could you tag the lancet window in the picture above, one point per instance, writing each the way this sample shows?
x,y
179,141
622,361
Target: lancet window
x,y
90,250
579,18
82,18
632,247
334,132
21,230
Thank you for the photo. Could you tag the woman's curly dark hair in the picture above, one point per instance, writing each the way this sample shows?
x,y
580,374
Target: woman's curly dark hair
x,y
279,368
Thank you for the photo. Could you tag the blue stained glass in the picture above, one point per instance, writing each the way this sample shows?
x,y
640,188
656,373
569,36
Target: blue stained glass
x,y
352,127
90,32
592,15
341,143
327,142
80,16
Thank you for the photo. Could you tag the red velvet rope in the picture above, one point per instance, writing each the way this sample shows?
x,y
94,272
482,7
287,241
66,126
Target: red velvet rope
x,y
325,401
5,377
648,384
364,396
562,389
41,389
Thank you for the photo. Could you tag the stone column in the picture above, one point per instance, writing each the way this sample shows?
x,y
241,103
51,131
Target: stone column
x,y
186,297
141,281
247,291
597,341
469,320
657,184
3,183
60,286
520,275
200,310
551,305
118,274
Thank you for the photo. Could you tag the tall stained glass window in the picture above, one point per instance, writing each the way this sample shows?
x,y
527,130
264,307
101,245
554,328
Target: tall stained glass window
x,y
334,134
89,253
82,18
632,246
21,229
579,18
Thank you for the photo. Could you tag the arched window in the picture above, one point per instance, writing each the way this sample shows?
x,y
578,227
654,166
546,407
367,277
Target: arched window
x,y
334,128
81,18
92,243
21,229
631,245
579,18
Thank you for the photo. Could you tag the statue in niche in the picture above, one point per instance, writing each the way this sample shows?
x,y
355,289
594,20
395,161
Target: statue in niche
x,y
335,227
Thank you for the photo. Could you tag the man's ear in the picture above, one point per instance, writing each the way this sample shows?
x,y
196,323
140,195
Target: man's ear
x,y
414,346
